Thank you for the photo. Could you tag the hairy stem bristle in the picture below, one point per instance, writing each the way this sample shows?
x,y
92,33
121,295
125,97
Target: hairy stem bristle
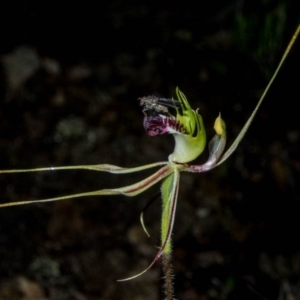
x,y
168,276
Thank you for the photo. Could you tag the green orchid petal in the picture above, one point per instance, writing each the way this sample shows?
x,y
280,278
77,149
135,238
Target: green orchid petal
x,y
190,143
215,148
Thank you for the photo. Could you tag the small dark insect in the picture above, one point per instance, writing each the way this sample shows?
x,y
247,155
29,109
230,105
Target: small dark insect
x,y
159,105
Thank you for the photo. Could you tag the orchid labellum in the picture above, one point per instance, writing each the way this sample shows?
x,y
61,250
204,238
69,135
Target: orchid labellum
x,y
176,117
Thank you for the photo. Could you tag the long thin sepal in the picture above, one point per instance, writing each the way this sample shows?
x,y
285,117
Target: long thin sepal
x,y
103,168
249,121
142,213
130,190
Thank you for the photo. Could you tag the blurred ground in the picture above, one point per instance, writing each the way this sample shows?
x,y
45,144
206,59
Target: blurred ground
x,y
70,78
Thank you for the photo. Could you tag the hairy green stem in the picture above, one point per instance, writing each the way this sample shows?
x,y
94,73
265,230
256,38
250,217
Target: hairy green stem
x,y
169,198
168,276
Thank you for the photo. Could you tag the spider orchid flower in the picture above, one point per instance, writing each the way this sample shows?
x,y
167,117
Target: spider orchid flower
x,y
190,140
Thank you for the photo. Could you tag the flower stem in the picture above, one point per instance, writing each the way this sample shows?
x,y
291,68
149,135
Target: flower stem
x,y
168,276
169,198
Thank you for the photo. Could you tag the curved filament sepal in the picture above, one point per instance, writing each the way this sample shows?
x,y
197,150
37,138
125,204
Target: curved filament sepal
x,y
169,194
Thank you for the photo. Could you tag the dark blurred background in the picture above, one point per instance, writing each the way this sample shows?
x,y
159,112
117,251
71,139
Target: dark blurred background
x,y
70,77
